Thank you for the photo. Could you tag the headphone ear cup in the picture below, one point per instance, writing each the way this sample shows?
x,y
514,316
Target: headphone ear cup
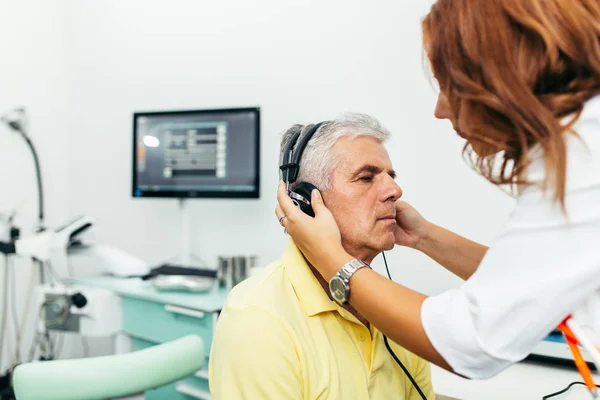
x,y
302,193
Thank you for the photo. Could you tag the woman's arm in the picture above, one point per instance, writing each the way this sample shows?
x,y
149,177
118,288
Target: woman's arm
x,y
457,254
388,306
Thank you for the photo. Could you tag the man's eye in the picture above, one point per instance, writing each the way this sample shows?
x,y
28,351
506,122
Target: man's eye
x,y
366,178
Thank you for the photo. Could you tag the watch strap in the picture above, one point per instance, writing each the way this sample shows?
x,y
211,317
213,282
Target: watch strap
x,y
351,267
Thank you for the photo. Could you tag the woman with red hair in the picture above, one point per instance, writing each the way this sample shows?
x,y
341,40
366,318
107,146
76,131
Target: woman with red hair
x,y
520,81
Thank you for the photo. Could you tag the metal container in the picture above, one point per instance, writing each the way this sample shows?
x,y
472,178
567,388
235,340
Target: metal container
x,y
234,269
225,272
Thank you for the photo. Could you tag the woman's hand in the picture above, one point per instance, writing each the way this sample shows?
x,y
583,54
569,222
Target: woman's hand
x,y
412,227
318,238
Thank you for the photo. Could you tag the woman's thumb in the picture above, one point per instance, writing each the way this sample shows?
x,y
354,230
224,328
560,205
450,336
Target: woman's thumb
x,y
316,201
401,205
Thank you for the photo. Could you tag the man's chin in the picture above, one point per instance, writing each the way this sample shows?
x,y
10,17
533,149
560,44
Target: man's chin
x,y
387,243
389,246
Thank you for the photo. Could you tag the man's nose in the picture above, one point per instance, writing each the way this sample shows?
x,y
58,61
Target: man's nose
x,y
392,190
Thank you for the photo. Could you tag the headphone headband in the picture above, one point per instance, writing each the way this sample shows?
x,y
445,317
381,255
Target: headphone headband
x,y
287,158
291,157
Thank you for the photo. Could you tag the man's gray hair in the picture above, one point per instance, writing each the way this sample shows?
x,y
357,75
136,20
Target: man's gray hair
x,y
317,162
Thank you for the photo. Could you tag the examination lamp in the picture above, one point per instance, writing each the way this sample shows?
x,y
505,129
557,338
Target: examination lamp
x,y
16,120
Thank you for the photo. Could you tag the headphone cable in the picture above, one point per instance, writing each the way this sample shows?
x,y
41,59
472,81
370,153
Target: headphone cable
x,y
387,345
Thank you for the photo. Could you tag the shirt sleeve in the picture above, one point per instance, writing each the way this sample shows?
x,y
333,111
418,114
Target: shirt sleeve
x,y
421,373
253,357
537,272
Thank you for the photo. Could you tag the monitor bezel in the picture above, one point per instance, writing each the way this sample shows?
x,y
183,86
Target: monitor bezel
x,y
191,194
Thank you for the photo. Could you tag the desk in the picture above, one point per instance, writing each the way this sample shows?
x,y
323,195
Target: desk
x,y
522,381
151,317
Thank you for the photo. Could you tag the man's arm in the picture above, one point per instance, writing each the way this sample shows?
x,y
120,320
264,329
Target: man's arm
x,y
253,357
457,254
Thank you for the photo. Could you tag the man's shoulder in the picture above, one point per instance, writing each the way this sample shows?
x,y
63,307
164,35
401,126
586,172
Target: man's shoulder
x,y
269,290
253,345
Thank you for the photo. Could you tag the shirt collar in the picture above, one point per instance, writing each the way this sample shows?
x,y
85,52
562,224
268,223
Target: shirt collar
x,y
313,298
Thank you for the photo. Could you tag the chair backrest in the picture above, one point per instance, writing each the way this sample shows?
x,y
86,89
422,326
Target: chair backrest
x,y
109,376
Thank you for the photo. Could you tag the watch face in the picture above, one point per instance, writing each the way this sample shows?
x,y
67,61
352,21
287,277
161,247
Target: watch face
x,y
338,289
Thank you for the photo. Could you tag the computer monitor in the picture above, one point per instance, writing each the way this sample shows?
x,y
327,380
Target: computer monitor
x,y
197,153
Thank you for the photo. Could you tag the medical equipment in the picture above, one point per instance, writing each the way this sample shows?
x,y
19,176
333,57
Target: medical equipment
x,y
17,120
185,283
80,309
553,349
67,239
41,245
112,376
196,154
173,278
107,259
168,269
563,391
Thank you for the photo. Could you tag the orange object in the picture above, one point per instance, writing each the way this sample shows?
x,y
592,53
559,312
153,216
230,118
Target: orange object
x,y
580,362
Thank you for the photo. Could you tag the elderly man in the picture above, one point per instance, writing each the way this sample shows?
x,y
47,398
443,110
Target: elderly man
x,y
281,335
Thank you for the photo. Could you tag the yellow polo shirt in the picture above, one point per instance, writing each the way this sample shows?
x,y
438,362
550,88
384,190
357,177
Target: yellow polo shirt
x,y
280,337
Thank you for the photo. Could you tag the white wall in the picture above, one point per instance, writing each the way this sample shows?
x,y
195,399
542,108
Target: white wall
x,y
33,75
300,62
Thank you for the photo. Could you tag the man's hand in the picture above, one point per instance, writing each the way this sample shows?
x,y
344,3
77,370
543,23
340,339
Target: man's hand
x,y
412,227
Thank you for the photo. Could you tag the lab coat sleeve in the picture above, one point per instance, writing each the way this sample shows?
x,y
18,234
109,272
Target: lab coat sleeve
x,y
253,357
539,269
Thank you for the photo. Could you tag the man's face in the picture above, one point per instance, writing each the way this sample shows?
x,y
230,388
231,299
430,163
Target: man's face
x,y
362,197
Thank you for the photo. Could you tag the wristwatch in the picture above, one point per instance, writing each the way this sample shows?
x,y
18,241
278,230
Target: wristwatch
x,y
339,285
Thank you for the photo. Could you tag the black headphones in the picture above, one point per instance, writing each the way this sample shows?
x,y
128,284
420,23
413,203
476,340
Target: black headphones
x,y
290,167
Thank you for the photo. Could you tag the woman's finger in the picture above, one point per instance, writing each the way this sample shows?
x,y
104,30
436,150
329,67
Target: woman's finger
x,y
281,217
401,205
285,203
278,211
316,201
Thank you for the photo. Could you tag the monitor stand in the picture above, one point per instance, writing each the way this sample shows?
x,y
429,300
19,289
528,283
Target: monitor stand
x,y
184,224
186,258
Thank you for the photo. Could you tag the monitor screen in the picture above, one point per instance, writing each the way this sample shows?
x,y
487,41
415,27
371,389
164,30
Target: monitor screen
x,y
200,153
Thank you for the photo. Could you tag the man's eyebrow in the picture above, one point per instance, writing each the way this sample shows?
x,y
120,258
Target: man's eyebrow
x,y
373,169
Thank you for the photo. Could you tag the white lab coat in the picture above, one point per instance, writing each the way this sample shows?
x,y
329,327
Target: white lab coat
x,y
542,267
